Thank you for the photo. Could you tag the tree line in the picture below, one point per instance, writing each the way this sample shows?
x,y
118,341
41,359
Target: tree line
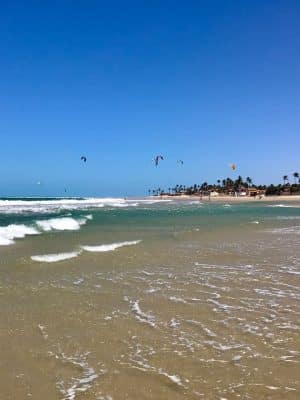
x,y
230,186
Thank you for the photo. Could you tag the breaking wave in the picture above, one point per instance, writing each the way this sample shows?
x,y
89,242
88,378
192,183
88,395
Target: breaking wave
x,y
50,258
109,247
22,206
61,224
11,232
18,231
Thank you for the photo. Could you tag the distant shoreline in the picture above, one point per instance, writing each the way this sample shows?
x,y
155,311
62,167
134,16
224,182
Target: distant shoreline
x,y
230,199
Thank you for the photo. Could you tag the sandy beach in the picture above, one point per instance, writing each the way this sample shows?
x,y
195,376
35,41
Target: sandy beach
x,y
233,199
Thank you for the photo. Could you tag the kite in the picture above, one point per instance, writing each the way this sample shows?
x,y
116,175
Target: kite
x,y
156,160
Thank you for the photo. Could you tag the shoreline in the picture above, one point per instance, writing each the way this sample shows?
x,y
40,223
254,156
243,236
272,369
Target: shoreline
x,y
231,199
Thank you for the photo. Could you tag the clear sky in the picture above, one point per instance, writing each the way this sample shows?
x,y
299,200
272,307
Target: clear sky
x,y
209,82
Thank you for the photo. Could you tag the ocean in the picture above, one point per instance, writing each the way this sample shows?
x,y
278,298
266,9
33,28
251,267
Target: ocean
x,y
149,299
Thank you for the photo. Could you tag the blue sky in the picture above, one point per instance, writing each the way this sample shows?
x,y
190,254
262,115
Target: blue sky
x,y
209,82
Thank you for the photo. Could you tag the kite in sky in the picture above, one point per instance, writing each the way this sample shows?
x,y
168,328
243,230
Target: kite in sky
x,y
157,158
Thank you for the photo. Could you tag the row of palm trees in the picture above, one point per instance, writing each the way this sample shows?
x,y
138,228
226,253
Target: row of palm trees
x,y
228,185
295,175
223,185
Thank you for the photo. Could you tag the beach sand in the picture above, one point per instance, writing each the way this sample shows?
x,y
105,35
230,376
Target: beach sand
x,y
233,199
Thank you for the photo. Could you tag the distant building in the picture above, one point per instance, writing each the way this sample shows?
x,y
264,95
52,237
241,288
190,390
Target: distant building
x,y
252,192
286,191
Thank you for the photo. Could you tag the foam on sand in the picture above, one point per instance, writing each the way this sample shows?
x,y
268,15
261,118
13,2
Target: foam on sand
x,y
50,258
61,224
11,232
109,247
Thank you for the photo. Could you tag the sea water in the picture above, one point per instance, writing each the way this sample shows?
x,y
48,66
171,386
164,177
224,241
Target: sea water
x,y
147,299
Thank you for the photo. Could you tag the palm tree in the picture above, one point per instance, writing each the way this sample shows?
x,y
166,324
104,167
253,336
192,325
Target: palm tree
x,y
296,175
229,182
239,180
285,178
248,180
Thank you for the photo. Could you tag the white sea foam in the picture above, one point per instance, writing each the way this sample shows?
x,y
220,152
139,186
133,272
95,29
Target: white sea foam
x,y
11,232
78,282
19,206
141,315
50,258
221,306
148,273
43,331
80,384
61,224
177,299
54,205
109,247
197,202
173,378
205,329
283,205
18,231
292,218
289,230
174,323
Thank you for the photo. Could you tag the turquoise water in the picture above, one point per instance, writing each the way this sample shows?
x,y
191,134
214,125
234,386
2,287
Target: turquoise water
x,y
155,212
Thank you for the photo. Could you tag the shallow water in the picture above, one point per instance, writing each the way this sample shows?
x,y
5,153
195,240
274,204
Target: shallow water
x,y
129,299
